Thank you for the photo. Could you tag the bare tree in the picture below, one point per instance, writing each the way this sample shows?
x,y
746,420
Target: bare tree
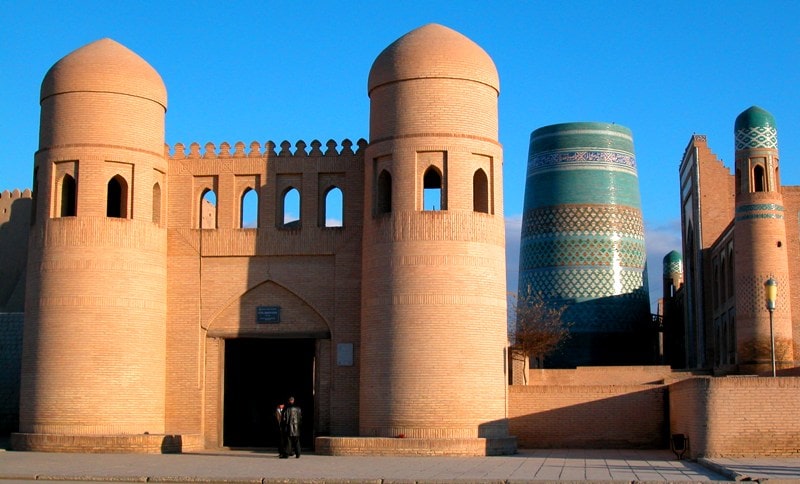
x,y
538,329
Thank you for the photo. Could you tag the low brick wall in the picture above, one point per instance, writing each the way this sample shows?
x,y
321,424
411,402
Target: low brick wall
x,y
107,444
737,416
385,446
607,375
589,416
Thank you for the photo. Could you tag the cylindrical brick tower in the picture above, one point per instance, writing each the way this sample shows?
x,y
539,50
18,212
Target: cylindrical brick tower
x,y
93,359
582,243
760,245
433,331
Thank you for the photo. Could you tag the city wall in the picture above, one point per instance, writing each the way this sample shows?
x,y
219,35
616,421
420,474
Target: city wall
x,y
737,416
588,416
641,407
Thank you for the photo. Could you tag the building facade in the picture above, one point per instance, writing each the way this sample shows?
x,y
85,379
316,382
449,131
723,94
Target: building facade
x,y
738,231
157,319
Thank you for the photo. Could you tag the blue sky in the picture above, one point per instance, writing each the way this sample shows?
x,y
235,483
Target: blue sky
x,y
245,71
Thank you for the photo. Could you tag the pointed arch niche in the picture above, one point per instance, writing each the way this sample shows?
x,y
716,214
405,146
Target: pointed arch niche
x,y
117,197
432,191
433,194
204,202
248,209
66,189
480,191
298,318
248,200
333,210
383,202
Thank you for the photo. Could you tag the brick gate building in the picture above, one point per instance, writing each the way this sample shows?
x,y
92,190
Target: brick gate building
x,y
157,319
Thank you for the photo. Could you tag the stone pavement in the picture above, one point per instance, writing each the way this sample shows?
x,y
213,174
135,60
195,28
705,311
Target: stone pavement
x,y
258,466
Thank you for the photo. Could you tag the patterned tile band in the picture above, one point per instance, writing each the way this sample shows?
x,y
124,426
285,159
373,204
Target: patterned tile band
x,y
586,159
673,264
759,211
756,137
759,207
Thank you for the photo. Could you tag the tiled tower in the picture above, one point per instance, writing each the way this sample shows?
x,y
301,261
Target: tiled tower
x,y
673,338
94,341
760,244
582,241
433,329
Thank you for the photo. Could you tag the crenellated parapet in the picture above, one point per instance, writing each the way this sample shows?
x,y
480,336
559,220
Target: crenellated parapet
x,y
269,149
15,194
8,199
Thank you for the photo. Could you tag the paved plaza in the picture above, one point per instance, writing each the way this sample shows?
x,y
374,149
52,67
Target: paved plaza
x,y
259,466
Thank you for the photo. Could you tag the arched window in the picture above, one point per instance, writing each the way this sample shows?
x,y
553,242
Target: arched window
x,y
117,198
334,207
157,204
384,204
249,209
432,189
480,192
291,208
759,182
208,210
68,197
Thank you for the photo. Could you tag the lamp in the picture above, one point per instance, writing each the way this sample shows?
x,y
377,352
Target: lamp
x,y
771,295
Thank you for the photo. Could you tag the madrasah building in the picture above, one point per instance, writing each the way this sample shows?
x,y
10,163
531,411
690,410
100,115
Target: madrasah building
x,y
154,320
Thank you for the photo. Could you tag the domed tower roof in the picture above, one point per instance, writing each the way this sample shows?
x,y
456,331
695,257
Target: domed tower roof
x,y
755,128
104,66
433,51
673,263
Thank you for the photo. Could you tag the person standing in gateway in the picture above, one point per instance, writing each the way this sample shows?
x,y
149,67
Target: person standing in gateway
x,y
279,413
292,418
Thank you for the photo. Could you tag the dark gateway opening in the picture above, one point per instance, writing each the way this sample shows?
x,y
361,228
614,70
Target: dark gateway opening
x,y
260,374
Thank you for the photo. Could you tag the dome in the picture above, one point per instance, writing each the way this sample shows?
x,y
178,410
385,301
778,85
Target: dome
x,y
754,117
433,51
104,66
755,128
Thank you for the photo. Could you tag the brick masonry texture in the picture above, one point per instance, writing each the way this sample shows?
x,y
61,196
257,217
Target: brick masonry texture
x,y
131,263
130,308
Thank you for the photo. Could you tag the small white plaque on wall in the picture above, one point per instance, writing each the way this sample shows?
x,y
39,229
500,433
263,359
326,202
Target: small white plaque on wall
x,y
344,354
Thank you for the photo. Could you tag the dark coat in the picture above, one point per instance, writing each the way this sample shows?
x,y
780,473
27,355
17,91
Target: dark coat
x,y
292,418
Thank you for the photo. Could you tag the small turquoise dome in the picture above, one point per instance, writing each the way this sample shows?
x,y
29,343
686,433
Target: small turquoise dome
x,y
755,128
754,117
673,263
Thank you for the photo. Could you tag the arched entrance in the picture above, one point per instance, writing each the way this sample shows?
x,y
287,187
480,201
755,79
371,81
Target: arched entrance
x,y
259,374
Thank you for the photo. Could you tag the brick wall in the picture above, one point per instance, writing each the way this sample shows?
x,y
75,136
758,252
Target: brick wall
x,y
590,416
15,216
737,416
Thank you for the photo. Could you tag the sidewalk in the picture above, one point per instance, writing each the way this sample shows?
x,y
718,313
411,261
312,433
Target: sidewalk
x,y
259,466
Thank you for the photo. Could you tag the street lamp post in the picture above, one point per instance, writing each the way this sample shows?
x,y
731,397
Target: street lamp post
x,y
771,295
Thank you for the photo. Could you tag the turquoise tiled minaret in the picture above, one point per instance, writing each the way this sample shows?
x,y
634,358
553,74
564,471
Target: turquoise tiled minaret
x,y
583,241
760,247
